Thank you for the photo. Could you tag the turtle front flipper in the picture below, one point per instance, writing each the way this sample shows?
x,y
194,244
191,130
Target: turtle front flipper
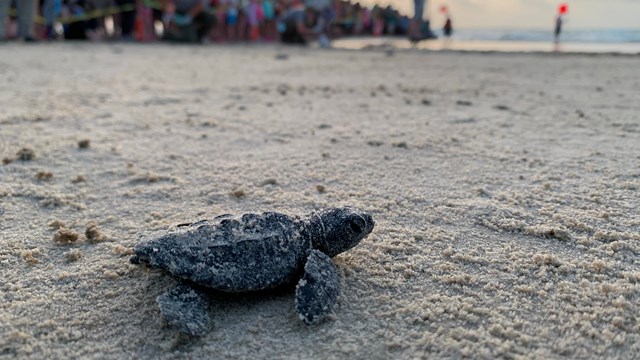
x,y
185,308
317,292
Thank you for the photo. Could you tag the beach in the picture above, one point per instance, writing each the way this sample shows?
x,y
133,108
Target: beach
x,y
504,187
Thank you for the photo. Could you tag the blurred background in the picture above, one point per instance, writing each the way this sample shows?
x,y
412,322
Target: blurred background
x,y
487,25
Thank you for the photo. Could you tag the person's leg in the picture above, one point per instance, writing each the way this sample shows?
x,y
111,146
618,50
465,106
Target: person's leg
x,y
4,14
127,18
49,15
26,14
49,12
416,21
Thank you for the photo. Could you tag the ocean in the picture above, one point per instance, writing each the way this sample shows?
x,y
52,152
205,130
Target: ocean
x,y
624,41
607,36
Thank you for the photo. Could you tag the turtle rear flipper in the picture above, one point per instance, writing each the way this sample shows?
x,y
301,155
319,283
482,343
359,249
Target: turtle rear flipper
x,y
317,291
185,308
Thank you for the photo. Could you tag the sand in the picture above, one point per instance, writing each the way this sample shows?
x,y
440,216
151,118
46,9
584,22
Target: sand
x,y
504,186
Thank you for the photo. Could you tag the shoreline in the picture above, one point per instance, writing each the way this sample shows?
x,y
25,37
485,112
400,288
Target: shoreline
x,y
348,44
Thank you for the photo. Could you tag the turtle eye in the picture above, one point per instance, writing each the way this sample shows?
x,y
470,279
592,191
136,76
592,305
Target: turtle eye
x,y
356,224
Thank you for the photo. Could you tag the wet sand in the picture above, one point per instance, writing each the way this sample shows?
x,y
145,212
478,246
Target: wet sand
x,y
504,187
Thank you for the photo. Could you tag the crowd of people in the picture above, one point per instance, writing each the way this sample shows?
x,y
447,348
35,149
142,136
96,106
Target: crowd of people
x,y
290,21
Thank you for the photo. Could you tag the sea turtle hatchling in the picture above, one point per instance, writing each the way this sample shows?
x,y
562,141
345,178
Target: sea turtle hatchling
x,y
253,252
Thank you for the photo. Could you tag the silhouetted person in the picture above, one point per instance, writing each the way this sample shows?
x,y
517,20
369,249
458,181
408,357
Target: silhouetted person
x,y
447,29
558,29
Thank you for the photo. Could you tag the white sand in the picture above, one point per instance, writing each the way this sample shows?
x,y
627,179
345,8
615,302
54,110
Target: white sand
x,y
511,233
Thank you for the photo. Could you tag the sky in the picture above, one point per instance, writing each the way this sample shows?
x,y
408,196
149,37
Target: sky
x,y
532,14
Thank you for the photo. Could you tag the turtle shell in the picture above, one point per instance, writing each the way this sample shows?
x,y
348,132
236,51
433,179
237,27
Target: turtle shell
x,y
231,253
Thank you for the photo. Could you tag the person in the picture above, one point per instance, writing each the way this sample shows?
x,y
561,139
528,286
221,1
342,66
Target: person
x,y
231,19
269,24
51,9
77,29
558,28
296,25
419,29
255,18
192,21
389,17
378,21
82,28
325,16
127,19
26,16
101,8
447,29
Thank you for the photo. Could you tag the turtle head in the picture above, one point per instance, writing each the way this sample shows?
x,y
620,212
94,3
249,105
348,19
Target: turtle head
x,y
340,229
